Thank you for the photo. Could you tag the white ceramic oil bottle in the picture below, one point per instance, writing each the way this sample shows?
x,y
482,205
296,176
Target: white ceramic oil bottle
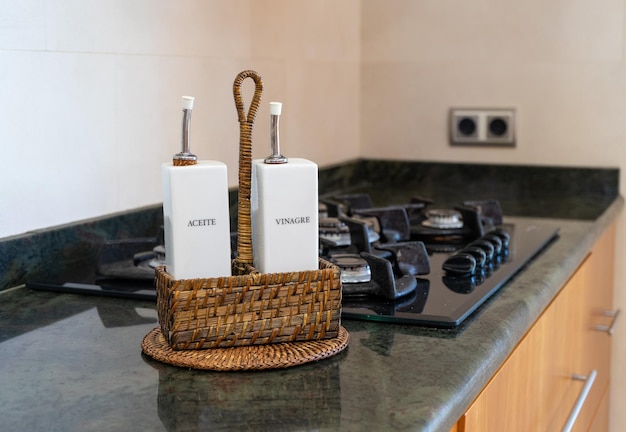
x,y
284,209
195,212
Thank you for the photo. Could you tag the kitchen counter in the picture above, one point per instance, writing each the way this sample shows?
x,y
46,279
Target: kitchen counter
x,y
74,363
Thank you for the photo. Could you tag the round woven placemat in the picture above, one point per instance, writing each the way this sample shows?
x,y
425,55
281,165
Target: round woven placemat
x,y
253,357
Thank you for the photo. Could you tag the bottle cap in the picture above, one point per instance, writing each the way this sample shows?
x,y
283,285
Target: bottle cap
x,y
187,102
276,108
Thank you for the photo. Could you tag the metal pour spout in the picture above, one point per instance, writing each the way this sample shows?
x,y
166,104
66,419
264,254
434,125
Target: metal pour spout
x,y
275,157
185,157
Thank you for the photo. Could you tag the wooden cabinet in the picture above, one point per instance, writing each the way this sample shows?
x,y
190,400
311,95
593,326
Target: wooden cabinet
x,y
595,307
535,390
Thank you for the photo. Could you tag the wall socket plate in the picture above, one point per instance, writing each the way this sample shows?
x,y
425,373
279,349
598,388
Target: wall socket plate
x,y
478,126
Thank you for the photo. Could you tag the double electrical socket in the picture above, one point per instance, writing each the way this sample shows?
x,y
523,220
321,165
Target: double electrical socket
x,y
482,126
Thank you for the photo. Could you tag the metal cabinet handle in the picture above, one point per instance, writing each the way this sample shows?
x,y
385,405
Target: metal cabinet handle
x,y
573,415
609,329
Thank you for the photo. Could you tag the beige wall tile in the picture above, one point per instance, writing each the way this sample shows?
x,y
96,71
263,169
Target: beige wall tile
x,y
492,30
150,133
22,139
318,122
321,30
107,77
323,116
560,111
182,28
57,123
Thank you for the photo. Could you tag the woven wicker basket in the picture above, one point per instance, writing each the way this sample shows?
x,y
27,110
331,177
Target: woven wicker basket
x,y
248,308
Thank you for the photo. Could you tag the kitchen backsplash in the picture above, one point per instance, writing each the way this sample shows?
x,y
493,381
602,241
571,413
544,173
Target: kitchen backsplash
x,y
521,190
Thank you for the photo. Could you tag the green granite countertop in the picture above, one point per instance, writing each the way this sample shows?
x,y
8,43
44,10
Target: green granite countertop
x,y
74,363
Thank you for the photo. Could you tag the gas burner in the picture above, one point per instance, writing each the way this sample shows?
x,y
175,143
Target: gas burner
x,y
149,260
336,232
354,269
126,259
446,230
443,219
413,302
345,205
159,257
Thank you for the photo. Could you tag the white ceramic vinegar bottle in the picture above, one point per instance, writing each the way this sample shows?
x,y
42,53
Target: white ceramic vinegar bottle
x,y
284,209
195,212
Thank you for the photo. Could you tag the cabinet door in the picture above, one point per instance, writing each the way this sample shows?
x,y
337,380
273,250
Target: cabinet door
x,y
533,390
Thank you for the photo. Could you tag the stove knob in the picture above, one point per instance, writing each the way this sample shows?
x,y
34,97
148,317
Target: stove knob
x,y
485,246
495,241
461,285
479,255
460,264
504,236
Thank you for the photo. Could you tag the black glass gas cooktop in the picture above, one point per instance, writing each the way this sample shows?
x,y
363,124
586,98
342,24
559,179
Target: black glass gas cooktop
x,y
439,300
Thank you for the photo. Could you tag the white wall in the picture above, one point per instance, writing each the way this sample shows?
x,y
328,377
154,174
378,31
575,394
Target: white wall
x,y
90,94
560,64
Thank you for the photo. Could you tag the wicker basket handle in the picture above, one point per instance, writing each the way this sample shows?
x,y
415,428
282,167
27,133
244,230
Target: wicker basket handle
x,y
246,123
256,99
